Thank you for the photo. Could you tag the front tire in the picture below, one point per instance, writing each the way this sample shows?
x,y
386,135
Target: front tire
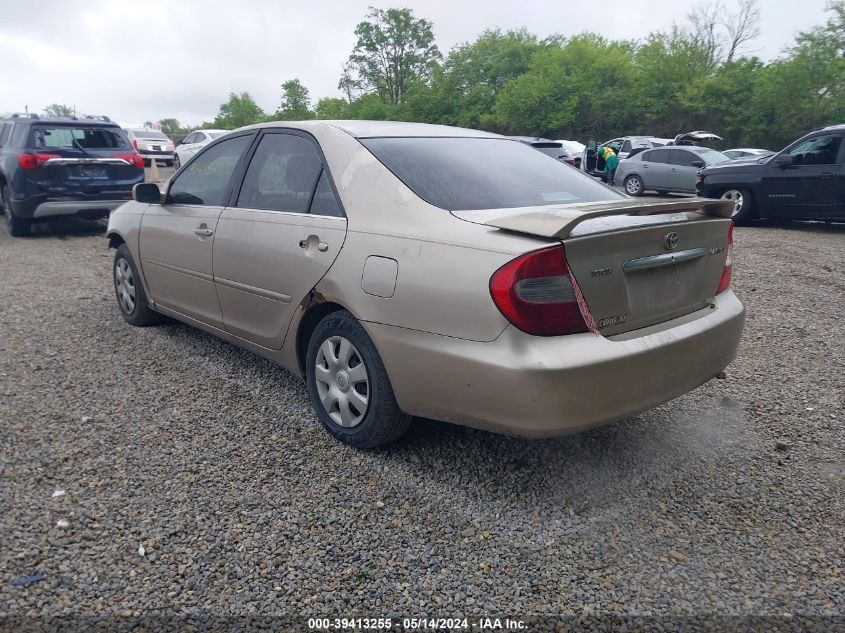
x,y
16,225
634,186
129,291
744,211
348,384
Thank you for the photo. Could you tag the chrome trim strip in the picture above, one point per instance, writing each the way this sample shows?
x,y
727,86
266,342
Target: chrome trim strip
x,y
665,259
261,292
177,269
86,161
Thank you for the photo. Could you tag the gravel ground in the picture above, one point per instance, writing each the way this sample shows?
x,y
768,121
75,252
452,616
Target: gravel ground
x,y
727,501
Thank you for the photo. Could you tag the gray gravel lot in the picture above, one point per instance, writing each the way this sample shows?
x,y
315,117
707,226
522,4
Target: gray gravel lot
x,y
728,500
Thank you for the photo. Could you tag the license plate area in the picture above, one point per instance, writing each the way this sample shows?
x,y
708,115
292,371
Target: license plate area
x,y
664,289
87,172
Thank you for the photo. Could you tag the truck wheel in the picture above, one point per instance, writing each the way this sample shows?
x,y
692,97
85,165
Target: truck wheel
x,y
743,201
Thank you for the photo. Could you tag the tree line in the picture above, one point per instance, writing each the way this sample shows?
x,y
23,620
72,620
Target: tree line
x,y
701,74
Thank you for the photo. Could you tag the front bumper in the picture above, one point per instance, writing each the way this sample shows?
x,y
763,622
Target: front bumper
x,y
542,387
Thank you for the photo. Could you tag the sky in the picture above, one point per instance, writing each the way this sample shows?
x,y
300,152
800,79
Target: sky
x,y
142,61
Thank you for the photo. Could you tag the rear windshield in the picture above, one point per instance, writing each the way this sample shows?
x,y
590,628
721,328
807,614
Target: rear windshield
x,y
68,137
463,174
149,134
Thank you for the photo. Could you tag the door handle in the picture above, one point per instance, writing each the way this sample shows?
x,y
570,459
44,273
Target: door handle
x,y
321,246
203,231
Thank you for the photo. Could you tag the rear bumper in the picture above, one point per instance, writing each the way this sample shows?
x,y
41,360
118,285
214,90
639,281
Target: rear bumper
x,y
542,387
91,209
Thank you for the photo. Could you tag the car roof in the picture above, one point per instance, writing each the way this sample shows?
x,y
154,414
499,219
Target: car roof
x,y
838,126
380,129
60,120
210,130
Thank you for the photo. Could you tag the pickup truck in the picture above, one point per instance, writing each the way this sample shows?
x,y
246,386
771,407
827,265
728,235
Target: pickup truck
x,y
804,181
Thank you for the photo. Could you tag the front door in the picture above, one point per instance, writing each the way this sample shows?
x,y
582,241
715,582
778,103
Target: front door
x,y
177,237
812,185
681,172
278,239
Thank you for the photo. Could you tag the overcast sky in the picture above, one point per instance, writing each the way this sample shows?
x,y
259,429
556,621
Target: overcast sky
x,y
139,61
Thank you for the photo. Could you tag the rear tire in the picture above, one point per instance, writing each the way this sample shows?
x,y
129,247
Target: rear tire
x,y
129,291
352,396
634,186
17,226
744,211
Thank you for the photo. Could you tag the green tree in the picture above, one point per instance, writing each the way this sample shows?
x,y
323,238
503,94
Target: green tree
x,y
170,126
296,102
57,109
393,50
331,108
239,110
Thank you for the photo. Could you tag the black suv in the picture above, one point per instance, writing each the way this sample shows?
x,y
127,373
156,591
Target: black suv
x,y
805,181
59,167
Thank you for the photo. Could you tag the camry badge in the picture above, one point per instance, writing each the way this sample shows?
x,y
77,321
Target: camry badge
x,y
670,241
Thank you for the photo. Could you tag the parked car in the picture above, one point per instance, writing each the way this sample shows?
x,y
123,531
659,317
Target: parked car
x,y
59,167
555,149
152,145
593,162
193,143
746,152
629,146
804,181
421,270
665,169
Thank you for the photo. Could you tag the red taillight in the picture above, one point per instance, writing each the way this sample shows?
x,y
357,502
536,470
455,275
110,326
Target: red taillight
x,y
537,293
135,144
34,161
136,160
725,281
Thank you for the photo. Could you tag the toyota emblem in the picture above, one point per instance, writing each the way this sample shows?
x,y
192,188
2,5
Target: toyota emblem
x,y
670,241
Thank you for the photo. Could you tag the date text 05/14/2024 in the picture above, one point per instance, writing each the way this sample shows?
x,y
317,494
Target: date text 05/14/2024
x,y
416,624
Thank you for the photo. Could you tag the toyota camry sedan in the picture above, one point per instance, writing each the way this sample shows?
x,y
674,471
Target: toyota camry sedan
x,y
409,270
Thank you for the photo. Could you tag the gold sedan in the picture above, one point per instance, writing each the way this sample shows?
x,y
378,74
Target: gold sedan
x,y
418,270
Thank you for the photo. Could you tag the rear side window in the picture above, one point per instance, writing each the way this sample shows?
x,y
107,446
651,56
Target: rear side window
x,y
324,202
657,156
68,137
282,175
462,174
5,132
205,181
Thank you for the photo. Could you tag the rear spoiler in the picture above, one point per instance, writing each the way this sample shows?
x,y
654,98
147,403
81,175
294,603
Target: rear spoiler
x,y
558,221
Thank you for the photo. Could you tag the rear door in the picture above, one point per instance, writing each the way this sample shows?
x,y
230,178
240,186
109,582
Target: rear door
x,y
655,168
177,237
279,237
681,173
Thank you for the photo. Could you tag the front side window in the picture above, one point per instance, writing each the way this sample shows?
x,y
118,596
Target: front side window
x,y
205,181
682,158
282,175
462,174
819,150
68,137
626,146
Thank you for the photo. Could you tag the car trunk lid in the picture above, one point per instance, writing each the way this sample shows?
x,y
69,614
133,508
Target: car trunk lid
x,y
65,171
636,263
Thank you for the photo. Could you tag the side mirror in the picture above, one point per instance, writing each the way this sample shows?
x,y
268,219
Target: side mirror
x,y
698,163
147,193
784,160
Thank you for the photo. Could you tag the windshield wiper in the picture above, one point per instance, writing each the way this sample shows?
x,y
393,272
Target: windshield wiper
x,y
78,145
